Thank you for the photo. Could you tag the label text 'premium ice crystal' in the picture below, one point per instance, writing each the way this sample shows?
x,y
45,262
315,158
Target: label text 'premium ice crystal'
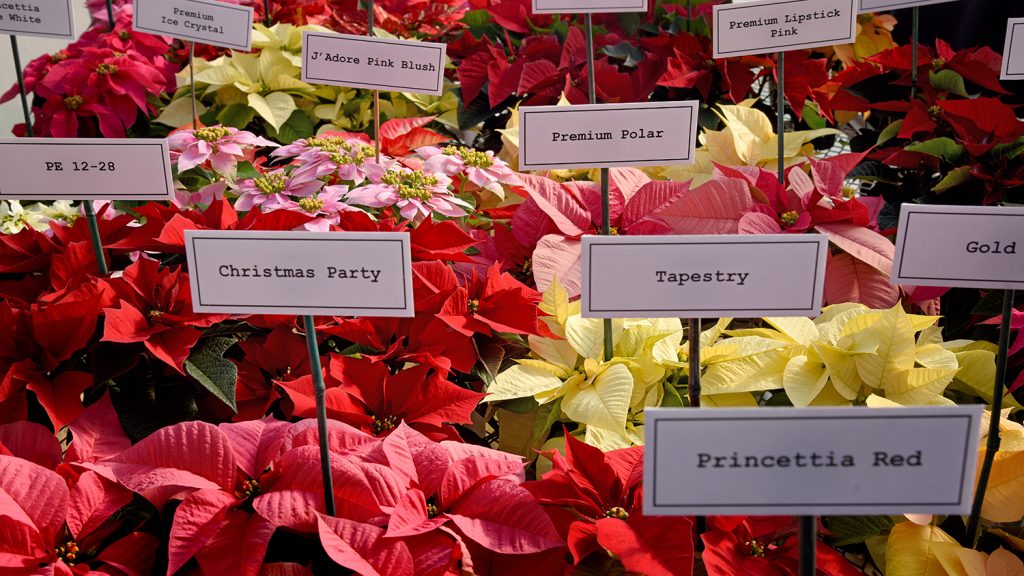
x,y
203,21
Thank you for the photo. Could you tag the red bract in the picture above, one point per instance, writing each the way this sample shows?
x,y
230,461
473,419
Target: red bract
x,y
690,65
155,308
58,525
495,303
602,493
419,396
759,546
280,356
215,471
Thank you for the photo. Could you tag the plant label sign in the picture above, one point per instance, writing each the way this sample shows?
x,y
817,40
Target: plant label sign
x,y
373,63
780,25
811,461
960,247
1013,55
882,5
85,169
703,276
607,135
45,18
204,21
588,6
301,273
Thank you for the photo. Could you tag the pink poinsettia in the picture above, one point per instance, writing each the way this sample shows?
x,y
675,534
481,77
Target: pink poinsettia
x,y
271,191
480,168
416,194
223,147
349,159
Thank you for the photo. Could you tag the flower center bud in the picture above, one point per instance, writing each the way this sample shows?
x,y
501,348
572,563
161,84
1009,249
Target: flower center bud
x,y
617,512
473,306
124,35
107,69
68,552
59,57
248,489
211,134
73,102
327,144
935,112
411,185
273,183
790,218
432,510
755,548
385,424
470,157
311,205
938,63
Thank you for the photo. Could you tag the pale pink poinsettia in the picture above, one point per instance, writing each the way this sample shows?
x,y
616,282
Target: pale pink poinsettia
x,y
416,194
350,159
222,146
326,205
273,189
201,198
480,168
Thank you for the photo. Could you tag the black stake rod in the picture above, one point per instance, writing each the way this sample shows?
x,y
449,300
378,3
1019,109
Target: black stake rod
x,y
25,108
992,446
110,13
266,13
915,41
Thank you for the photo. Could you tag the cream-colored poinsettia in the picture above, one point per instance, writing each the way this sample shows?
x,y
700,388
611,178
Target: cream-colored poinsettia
x,y
849,353
748,139
604,395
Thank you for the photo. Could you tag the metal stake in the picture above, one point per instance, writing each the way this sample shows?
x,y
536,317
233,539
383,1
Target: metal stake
x,y
915,36
808,538
320,391
266,13
25,109
606,224
110,13
780,110
992,447
376,93
192,82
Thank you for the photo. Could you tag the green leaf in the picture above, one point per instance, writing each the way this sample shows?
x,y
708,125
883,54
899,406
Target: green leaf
x,y
944,148
246,170
848,530
949,81
547,415
631,55
672,398
236,115
1008,151
890,132
298,126
813,117
216,373
955,178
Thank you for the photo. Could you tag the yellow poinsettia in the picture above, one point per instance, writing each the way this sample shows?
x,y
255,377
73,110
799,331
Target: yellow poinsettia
x,y
604,395
849,353
748,139
915,550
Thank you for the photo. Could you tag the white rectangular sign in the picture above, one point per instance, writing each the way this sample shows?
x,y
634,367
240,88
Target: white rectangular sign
x,y
85,169
703,276
203,21
882,5
374,63
607,135
588,6
780,25
46,18
304,273
960,247
1013,54
810,461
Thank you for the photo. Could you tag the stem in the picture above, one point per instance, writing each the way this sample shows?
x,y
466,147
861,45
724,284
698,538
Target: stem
x,y
25,109
320,392
992,447
110,13
94,235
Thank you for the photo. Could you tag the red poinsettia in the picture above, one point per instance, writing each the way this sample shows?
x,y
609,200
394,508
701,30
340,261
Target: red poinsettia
x,y
596,499
690,65
763,546
155,307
